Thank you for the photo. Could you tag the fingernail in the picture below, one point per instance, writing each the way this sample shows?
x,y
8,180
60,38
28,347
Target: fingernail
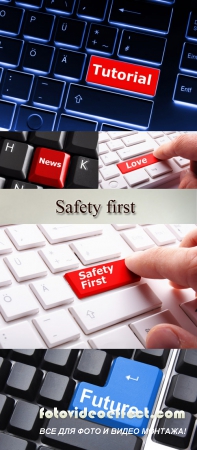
x,y
163,338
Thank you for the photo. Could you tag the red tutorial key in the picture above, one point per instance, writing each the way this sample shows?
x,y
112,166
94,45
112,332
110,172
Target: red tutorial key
x,y
104,277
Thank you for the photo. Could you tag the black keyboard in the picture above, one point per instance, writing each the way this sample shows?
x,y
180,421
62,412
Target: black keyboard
x,y
36,385
104,65
65,160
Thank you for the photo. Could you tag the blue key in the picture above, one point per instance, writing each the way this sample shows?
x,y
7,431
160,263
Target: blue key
x,y
130,385
7,111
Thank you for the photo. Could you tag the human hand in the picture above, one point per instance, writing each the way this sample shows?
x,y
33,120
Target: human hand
x,y
179,265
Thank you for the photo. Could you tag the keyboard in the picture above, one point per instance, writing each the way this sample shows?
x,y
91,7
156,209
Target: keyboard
x,y
126,160
41,160
115,64
37,384
67,286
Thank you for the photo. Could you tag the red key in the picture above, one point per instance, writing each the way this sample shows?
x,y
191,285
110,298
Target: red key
x,y
122,75
104,277
49,167
137,163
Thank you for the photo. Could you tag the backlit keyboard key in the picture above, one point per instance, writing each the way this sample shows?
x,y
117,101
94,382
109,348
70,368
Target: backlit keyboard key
x,y
48,92
17,85
137,239
11,20
57,6
116,306
49,167
69,65
186,90
32,3
13,336
105,39
191,30
35,119
34,29
70,33
63,233
142,47
26,266
158,169
17,302
160,234
94,250
92,10
60,258
7,111
52,292
101,278
25,236
142,327
38,58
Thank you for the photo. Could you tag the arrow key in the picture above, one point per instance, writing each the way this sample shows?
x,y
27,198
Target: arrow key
x,y
101,39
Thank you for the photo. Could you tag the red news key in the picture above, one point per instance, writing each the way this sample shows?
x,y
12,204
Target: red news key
x,y
49,167
137,163
104,277
122,75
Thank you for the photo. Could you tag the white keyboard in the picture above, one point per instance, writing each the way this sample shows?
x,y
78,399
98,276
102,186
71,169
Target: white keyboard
x,y
126,162
40,308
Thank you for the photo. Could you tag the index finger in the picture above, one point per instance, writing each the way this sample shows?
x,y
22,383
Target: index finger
x,y
185,146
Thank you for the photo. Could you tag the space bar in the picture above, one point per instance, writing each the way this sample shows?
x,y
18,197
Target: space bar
x,y
106,105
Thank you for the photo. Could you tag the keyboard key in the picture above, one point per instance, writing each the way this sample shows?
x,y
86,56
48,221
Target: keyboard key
x,y
10,51
15,159
57,328
23,381
2,182
34,28
76,178
56,360
90,101
6,408
182,162
56,390
5,367
64,233
114,308
5,244
59,258
142,47
118,183
137,239
35,119
25,236
93,367
49,167
38,58
187,363
57,6
160,234
156,357
5,278
143,326
48,92
17,302
110,158
137,177
158,169
16,184
10,20
15,135
110,172
91,251
182,393
186,90
101,39
180,230
74,123
83,144
136,163
55,140
25,420
112,145
88,9
137,149
188,61
17,85
102,278
7,441
32,3
30,357
7,111
13,336
177,440
120,338
70,33
191,30
190,308
26,266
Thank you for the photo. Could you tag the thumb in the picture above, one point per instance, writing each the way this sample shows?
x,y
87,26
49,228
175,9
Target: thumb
x,y
170,336
188,180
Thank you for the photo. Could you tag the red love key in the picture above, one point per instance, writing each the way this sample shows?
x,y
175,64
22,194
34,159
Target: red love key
x,y
137,163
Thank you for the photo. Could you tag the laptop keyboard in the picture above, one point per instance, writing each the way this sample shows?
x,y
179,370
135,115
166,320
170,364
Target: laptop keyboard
x,y
80,65
33,381
48,160
126,160
67,286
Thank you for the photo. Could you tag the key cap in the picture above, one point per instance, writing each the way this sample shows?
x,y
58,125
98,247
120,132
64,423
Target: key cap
x,y
5,367
10,20
182,393
190,308
56,360
70,33
49,167
89,101
13,336
30,357
104,149
48,92
25,236
118,183
180,230
158,169
113,145
187,363
2,182
93,367
69,65
143,326
101,278
119,338
54,140
162,140
10,51
143,16
34,29
186,90
110,172
56,390
5,278
137,149
114,308
101,39
137,239
74,123
8,441
57,328
64,233
156,357
83,144
133,139
35,119
15,135
132,376
136,177
110,158
160,234
6,408
17,302
59,258
34,3
176,440
142,47
117,134
23,381
95,250
26,266
103,137
16,184
87,9
122,226
25,420
83,173
58,6
17,86
182,162
7,111
38,58
194,442
136,163
191,30
5,244
15,159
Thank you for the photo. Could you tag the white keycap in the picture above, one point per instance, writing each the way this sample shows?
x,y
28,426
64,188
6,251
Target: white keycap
x,y
100,178
118,183
180,230
103,149
26,266
138,239
160,234
135,139
18,336
182,162
190,308
110,172
115,307
138,149
123,226
100,164
90,251
62,233
158,169
79,345
163,140
103,137
120,134
174,135
136,177
16,302
52,292
5,244
116,144
120,338
155,134
59,258
110,158
57,328
5,278
25,236
143,326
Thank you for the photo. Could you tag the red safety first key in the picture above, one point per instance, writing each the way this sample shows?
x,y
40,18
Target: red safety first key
x,y
49,167
104,277
137,163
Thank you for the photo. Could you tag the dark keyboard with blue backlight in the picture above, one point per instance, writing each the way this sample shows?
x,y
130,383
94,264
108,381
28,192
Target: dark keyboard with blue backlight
x,y
48,159
36,385
105,65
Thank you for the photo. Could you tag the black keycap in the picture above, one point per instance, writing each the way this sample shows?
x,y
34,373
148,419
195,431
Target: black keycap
x,y
48,92
4,353
6,408
101,39
54,140
142,47
24,381
92,441
156,357
187,362
10,51
189,58
31,357
7,111
83,144
88,8
74,123
15,135
182,393
59,6
83,173
70,32
16,184
93,367
69,65
186,90
2,182
151,16
15,159
25,421
35,119
172,439
56,390
5,367
118,108
34,28
194,442
8,442
60,361
192,31
10,20
34,3
17,85
125,353
38,58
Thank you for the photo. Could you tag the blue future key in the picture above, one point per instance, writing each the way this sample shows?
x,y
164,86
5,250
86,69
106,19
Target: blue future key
x,y
130,384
